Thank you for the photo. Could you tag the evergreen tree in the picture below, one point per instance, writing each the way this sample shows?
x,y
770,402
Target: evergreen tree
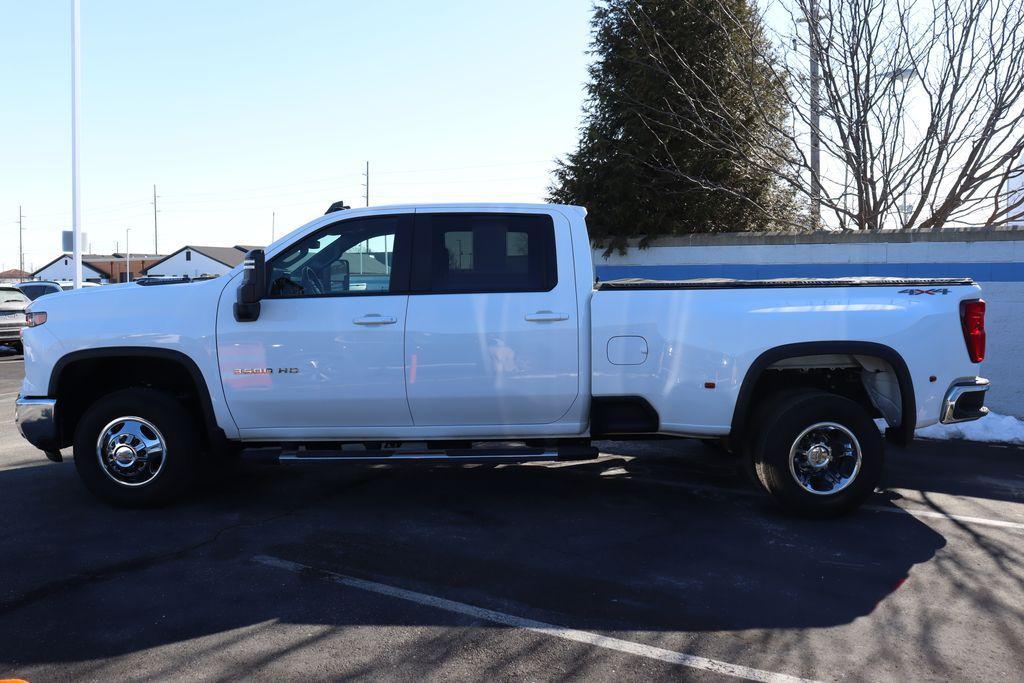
x,y
669,79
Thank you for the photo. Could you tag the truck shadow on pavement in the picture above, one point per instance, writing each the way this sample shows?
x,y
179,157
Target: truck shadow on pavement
x,y
600,545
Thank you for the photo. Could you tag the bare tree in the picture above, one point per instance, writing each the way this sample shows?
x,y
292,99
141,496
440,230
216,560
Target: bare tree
x,y
921,108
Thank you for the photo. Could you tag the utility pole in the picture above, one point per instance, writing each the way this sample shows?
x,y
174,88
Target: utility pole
x,y
812,26
156,244
366,184
76,101
273,225
127,257
21,246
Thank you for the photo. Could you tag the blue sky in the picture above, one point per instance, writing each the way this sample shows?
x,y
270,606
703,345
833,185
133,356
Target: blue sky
x,y
237,109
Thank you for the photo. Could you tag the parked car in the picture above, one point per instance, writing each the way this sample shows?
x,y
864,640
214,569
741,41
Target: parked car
x,y
67,286
37,288
12,316
476,333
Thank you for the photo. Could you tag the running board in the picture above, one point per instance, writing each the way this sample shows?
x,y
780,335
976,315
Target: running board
x,y
292,455
327,456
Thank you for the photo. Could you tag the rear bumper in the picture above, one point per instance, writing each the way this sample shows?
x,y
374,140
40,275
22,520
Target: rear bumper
x,y
965,401
37,422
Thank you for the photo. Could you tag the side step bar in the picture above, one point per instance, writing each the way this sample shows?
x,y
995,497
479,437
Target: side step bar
x,y
291,455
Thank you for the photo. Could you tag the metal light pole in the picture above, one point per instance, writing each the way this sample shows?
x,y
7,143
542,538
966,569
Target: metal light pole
x,y
76,209
127,257
812,26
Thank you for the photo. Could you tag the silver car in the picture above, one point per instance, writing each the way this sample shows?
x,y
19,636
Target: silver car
x,y
12,316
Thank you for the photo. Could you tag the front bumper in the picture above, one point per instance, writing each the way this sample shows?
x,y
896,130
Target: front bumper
x,y
965,401
37,422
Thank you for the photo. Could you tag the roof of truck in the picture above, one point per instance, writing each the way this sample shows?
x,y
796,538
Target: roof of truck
x,y
471,205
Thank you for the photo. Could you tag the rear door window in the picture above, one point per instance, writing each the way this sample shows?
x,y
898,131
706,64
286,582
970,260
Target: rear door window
x,y
484,252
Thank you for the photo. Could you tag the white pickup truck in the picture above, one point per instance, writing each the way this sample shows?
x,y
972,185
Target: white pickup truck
x,y
478,333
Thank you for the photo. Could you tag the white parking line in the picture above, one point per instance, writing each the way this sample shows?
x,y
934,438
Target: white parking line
x,y
585,637
984,521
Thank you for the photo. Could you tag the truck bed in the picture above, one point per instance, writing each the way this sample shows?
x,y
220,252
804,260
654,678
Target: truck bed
x,y
686,346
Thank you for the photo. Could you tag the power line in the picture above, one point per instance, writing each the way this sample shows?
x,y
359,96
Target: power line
x,y
156,242
366,184
21,246
468,168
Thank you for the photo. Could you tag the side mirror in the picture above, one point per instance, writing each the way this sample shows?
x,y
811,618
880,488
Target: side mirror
x,y
253,287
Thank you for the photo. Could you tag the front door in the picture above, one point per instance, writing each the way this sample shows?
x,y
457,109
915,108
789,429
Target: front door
x,y
327,350
492,331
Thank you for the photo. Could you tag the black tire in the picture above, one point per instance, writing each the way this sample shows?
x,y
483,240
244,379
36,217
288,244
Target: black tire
x,y
180,436
778,425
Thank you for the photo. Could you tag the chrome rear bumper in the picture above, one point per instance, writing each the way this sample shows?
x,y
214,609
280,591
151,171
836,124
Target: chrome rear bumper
x,y
965,401
37,422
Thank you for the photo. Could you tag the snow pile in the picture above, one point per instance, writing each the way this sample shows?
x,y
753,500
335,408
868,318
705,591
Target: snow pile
x,y
992,428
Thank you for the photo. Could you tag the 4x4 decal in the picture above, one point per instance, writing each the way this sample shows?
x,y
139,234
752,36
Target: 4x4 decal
x,y
914,291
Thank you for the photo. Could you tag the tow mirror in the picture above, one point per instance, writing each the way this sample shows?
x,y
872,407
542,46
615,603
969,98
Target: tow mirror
x,y
253,287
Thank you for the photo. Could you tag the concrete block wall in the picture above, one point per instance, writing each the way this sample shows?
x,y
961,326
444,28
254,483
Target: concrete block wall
x,y
993,258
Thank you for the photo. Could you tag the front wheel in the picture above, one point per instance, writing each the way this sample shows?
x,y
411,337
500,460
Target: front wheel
x,y
137,447
817,454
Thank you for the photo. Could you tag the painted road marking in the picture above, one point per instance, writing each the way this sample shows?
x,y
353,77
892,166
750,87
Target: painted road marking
x,y
949,517
585,637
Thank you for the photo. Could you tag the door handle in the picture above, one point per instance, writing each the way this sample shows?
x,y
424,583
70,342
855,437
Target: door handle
x,y
375,319
546,317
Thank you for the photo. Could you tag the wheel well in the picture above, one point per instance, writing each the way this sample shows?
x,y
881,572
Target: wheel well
x,y
78,383
843,380
873,375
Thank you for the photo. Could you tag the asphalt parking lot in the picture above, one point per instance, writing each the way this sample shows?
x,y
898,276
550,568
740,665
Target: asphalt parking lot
x,y
657,561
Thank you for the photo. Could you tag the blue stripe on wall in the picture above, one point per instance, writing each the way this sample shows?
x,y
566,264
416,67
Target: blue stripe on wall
x,y
981,272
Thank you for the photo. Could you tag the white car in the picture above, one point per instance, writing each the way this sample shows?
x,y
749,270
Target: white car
x,y
12,316
477,333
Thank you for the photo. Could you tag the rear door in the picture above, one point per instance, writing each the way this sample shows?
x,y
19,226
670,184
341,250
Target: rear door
x,y
492,328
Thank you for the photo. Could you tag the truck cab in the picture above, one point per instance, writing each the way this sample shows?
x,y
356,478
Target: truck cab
x,y
439,322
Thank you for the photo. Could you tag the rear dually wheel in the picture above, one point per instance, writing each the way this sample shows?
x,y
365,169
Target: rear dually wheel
x,y
817,454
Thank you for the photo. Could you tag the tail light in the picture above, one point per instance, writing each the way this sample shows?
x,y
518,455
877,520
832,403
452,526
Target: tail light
x,y
972,320
35,318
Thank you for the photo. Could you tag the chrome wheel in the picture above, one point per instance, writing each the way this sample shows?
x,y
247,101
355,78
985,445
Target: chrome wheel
x,y
825,458
131,451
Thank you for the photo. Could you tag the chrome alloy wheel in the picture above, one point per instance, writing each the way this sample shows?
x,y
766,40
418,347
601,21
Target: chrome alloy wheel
x,y
825,458
131,451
